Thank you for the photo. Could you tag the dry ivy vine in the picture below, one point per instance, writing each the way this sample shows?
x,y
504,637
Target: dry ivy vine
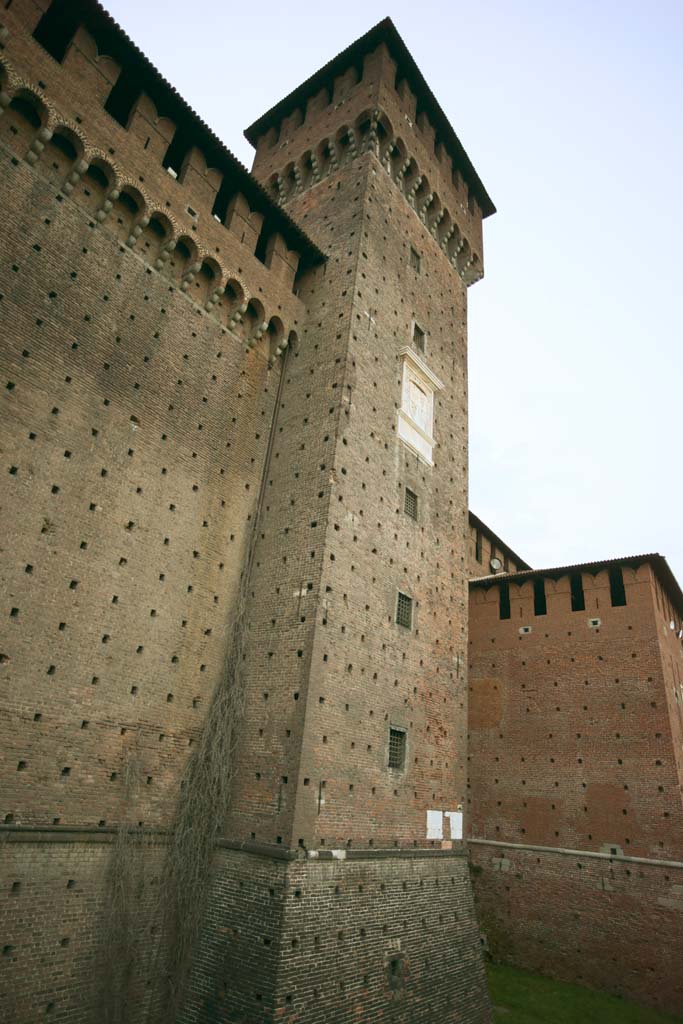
x,y
186,875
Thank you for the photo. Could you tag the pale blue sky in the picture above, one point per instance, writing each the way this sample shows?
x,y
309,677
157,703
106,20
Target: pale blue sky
x,y
571,114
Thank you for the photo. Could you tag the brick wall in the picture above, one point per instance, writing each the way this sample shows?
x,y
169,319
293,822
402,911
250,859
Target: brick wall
x,y
575,752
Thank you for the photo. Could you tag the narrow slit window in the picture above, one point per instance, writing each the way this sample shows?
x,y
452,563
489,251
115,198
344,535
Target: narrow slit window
x,y
617,591
415,260
504,601
418,338
578,597
410,503
397,748
404,611
477,546
540,606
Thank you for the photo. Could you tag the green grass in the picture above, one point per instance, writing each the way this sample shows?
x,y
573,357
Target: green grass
x,y
522,998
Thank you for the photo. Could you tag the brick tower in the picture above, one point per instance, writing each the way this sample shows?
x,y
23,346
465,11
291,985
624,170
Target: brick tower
x,y
230,398
353,757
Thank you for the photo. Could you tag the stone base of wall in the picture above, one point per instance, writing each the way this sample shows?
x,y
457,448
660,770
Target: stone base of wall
x,y
366,935
614,924
376,935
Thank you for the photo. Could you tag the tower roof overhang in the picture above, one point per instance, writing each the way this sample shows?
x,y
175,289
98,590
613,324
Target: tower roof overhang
x,y
383,32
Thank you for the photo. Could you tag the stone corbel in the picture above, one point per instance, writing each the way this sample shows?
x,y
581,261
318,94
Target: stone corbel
x,y
5,100
189,277
258,334
373,139
38,145
214,298
334,162
237,315
425,204
410,195
164,255
437,220
107,205
402,171
137,231
75,176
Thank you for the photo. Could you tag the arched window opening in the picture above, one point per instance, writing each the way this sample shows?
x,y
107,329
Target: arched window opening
x,y
454,243
231,301
57,27
60,156
181,259
344,146
123,96
276,335
206,282
290,181
123,215
92,189
307,169
154,237
26,111
253,318
464,256
324,156
96,177
20,123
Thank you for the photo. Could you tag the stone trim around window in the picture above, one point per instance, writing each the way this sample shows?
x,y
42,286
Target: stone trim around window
x,y
416,414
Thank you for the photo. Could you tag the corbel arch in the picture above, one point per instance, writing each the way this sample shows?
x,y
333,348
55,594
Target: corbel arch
x,y
183,256
253,322
128,208
63,155
95,184
233,302
206,282
155,237
308,171
326,156
24,121
275,335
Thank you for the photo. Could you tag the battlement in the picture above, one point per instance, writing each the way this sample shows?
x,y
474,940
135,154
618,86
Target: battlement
x,y
96,116
372,97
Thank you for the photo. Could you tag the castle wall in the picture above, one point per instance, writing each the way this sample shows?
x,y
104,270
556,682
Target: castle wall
x,y
483,545
573,754
183,371
610,924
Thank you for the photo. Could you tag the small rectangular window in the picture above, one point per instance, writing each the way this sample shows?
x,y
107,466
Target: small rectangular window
x,y
404,610
540,606
578,597
397,748
617,591
418,338
415,260
504,601
410,503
